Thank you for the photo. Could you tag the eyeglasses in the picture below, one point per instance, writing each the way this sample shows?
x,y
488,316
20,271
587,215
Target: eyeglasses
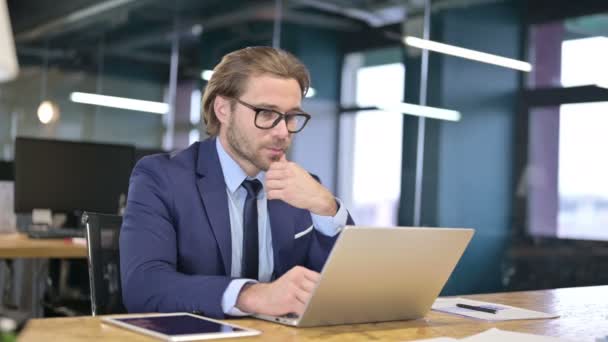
x,y
266,118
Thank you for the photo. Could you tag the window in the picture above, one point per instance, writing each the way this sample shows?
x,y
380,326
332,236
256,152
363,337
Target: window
x,y
372,145
583,171
569,53
584,62
568,164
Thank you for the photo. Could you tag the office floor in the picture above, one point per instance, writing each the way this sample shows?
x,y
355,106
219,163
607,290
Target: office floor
x,y
66,292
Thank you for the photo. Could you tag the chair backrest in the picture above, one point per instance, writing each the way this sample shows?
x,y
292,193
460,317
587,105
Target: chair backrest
x,y
102,232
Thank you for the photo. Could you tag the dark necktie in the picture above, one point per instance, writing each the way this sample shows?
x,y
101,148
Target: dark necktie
x,y
250,230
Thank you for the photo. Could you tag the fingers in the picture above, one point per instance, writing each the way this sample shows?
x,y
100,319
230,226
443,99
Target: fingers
x,y
305,282
299,308
305,278
275,184
276,174
297,270
301,295
274,194
279,164
311,275
291,292
308,286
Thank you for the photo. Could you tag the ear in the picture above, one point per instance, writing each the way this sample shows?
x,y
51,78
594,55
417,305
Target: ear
x,y
221,106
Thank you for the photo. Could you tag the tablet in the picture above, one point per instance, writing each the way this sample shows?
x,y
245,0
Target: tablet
x,y
180,326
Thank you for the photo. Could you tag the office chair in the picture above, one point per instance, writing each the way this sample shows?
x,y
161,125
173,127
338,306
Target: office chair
x,y
102,232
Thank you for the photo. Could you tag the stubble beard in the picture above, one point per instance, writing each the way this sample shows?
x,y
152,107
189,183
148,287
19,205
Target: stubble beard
x,y
243,149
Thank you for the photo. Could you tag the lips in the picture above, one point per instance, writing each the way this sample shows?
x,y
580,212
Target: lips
x,y
275,153
277,148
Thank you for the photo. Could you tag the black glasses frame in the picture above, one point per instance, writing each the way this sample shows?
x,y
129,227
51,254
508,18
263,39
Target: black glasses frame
x,y
282,116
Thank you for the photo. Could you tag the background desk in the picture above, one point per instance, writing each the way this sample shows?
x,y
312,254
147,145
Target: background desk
x,y
19,246
583,311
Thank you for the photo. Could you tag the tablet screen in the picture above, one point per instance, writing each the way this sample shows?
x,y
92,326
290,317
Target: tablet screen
x,y
179,325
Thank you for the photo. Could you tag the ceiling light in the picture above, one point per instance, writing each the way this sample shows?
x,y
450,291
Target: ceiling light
x,y
48,112
196,29
120,102
206,74
311,92
422,111
468,54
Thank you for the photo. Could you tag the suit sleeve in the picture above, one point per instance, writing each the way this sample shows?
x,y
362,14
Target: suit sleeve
x,y
148,251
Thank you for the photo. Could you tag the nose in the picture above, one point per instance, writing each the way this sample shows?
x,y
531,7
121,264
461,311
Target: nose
x,y
280,130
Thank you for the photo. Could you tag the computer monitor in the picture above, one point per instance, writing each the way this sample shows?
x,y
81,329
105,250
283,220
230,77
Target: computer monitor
x,y
68,177
6,171
141,152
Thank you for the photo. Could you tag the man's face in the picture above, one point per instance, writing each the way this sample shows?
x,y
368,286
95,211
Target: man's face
x,y
254,148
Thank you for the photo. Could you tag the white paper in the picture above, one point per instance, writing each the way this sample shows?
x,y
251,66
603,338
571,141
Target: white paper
x,y
497,335
503,312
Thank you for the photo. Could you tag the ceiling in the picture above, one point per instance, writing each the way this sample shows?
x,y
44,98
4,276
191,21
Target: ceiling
x,y
78,32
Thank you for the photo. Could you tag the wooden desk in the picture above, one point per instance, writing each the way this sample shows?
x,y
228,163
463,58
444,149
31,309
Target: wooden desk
x,y
584,316
17,245
38,251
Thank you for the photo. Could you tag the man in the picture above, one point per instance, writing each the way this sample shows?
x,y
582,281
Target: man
x,y
228,226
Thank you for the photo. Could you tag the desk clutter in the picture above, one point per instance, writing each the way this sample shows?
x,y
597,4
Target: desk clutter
x,y
485,310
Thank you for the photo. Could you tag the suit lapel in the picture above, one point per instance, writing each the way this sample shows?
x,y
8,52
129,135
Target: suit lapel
x,y
212,189
281,224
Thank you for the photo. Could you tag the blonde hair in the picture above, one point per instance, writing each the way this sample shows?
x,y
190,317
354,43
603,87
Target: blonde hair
x,y
231,75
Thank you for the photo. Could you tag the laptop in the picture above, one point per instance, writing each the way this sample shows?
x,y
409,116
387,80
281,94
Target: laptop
x,y
36,231
381,274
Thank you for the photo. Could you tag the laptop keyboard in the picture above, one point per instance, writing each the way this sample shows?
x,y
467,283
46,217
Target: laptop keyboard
x,y
291,316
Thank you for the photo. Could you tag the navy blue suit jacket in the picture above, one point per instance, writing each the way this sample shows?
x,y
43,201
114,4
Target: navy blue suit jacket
x,y
175,242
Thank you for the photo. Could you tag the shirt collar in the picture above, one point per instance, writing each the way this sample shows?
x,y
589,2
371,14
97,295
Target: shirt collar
x,y
233,174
